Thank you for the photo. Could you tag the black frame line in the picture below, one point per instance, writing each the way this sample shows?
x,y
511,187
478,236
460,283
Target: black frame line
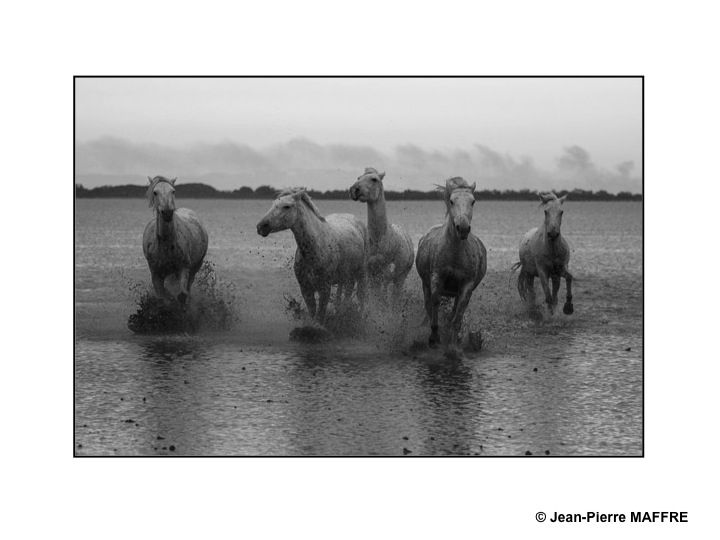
x,y
642,82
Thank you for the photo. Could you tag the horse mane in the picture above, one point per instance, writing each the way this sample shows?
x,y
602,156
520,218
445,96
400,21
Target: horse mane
x,y
151,188
547,196
372,171
452,184
302,194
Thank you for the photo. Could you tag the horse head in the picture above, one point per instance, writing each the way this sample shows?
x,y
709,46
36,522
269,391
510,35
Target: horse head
x,y
552,206
459,201
285,211
161,196
368,187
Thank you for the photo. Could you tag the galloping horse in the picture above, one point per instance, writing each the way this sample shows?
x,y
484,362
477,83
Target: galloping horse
x,y
390,250
175,242
450,260
544,253
330,250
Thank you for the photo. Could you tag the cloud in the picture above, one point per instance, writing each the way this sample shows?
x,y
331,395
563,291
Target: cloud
x,y
228,165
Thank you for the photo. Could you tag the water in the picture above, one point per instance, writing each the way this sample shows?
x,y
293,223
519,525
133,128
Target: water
x,y
566,385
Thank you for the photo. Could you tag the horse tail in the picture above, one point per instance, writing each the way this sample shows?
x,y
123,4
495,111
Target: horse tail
x,y
513,268
520,281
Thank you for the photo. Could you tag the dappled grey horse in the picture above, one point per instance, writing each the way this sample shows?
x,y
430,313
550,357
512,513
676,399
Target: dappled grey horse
x,y
175,242
450,259
545,254
330,250
390,251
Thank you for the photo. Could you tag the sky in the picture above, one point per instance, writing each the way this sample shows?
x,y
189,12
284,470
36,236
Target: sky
x,y
504,133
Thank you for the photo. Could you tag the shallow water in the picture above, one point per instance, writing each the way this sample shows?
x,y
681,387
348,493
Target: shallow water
x,y
567,385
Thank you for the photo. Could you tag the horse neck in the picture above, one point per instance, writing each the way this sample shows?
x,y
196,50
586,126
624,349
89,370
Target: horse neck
x,y
165,230
310,233
377,217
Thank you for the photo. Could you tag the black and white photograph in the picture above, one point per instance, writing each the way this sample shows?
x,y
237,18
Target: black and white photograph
x,y
336,270
358,266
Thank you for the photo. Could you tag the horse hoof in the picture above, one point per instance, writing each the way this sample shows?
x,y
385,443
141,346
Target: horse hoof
x,y
568,308
433,342
536,315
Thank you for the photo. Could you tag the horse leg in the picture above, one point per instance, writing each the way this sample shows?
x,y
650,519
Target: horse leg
x,y
183,279
428,303
530,290
159,286
338,302
323,298
461,303
434,308
555,286
308,294
546,288
362,287
191,278
397,291
384,290
568,307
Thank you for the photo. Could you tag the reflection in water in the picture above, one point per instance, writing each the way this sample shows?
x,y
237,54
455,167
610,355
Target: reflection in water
x,y
348,404
169,378
450,406
346,398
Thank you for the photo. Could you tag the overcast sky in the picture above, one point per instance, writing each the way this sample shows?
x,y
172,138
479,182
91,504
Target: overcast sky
x,y
535,123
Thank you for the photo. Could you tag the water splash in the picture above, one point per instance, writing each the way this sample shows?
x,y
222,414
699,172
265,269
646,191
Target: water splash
x,y
211,307
379,322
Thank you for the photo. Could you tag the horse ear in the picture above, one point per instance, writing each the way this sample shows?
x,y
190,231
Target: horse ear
x,y
149,180
562,199
545,197
172,182
381,175
472,187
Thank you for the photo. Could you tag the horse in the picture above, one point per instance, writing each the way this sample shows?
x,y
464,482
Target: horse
x,y
545,254
390,252
450,260
175,242
330,250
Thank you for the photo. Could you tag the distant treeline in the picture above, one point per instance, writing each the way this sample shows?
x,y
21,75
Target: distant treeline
x,y
203,191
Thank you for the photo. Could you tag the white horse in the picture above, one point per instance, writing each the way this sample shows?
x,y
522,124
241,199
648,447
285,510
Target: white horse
x,y
390,249
545,254
330,250
175,242
450,260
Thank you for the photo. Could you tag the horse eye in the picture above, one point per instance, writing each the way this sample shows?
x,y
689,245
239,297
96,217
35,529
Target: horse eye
x,y
473,203
374,179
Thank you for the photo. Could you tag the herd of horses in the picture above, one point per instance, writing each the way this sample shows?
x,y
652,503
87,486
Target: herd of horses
x,y
339,250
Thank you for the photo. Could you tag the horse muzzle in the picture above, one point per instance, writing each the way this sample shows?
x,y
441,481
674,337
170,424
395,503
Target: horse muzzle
x,y
167,215
263,229
355,193
463,231
553,235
